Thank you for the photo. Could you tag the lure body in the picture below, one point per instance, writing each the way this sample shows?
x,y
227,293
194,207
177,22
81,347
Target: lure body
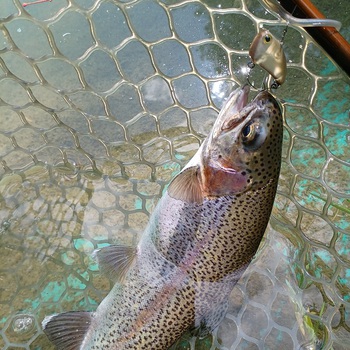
x,y
267,52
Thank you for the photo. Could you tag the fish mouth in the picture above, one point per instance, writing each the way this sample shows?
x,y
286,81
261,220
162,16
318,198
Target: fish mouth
x,y
238,99
230,114
265,97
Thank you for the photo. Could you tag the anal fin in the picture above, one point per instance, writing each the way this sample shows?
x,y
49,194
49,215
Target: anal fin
x,y
115,260
67,330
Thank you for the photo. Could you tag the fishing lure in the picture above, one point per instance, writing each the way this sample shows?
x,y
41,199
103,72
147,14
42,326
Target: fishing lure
x,y
267,52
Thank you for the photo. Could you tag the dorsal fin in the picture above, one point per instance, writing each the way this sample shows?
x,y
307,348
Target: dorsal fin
x,y
186,186
67,330
115,260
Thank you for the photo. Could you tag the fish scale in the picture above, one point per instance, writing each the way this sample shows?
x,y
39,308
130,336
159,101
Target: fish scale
x,y
200,239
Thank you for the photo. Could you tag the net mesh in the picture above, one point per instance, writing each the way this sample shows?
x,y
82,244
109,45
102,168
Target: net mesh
x,y
103,102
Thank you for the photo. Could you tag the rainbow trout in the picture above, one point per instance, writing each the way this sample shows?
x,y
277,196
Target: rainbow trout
x,y
200,239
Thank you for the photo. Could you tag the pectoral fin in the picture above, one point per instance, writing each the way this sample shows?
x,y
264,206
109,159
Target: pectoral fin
x,y
115,260
186,186
67,331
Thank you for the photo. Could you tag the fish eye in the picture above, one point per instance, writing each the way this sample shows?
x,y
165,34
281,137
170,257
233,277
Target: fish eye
x,y
253,135
248,132
267,38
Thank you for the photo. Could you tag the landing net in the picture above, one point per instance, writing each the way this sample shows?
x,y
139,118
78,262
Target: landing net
x,y
103,102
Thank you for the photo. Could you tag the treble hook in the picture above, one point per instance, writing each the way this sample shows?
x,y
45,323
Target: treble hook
x,y
250,65
264,85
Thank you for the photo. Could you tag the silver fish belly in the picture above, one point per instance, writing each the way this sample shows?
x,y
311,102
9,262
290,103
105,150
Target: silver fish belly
x,y
200,239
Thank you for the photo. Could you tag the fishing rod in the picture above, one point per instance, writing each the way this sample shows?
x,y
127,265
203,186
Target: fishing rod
x,y
329,38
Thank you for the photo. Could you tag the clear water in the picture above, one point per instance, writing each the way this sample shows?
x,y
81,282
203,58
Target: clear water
x,y
102,103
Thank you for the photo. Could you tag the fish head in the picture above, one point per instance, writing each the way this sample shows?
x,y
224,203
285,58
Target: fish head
x,y
267,52
243,151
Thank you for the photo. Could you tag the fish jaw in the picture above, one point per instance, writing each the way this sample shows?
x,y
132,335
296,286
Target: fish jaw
x,y
236,101
217,176
190,185
228,164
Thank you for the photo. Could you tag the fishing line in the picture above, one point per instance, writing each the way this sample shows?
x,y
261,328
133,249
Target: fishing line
x,y
286,28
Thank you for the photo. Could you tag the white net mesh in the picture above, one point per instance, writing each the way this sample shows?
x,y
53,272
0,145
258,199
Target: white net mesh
x,y
102,102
